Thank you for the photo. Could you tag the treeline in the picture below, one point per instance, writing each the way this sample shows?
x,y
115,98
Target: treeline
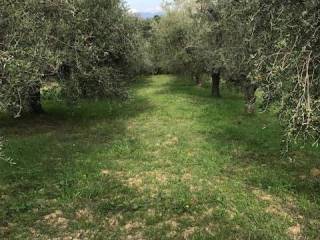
x,y
273,45
92,48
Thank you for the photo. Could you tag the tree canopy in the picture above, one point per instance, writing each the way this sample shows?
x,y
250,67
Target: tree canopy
x,y
90,47
93,49
272,45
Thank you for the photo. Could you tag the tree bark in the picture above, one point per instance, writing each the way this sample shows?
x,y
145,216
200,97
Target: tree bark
x,y
216,77
35,99
198,80
250,97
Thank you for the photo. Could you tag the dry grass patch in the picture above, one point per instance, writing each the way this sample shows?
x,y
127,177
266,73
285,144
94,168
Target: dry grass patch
x,y
78,235
56,220
134,225
187,217
232,213
186,176
159,176
112,222
261,195
172,223
315,172
294,232
136,236
218,180
171,235
278,211
187,234
277,207
151,212
105,172
142,180
211,228
171,141
136,182
84,215
208,212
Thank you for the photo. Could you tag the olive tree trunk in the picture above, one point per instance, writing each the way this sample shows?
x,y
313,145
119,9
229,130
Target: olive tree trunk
x,y
216,79
250,97
35,99
198,80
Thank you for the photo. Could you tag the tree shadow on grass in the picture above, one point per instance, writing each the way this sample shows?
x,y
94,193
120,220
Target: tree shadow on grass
x,y
253,142
259,151
60,116
60,153
42,145
89,124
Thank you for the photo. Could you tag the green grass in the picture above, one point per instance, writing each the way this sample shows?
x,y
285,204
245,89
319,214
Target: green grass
x,y
170,163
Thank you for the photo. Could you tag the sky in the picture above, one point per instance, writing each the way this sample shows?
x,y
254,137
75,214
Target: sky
x,y
144,5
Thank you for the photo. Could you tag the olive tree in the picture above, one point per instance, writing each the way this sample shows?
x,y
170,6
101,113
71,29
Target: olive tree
x,y
89,46
22,57
287,65
143,60
274,45
231,43
178,41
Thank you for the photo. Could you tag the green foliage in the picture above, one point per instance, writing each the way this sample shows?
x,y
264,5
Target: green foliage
x,y
91,47
180,41
273,45
143,61
289,64
22,53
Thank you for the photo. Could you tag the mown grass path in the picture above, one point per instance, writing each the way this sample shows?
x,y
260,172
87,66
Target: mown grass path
x,y
170,163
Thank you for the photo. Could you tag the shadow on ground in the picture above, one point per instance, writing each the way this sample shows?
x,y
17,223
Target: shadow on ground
x,y
58,157
105,179
254,142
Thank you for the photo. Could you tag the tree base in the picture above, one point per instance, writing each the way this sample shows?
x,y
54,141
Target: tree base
x,y
250,108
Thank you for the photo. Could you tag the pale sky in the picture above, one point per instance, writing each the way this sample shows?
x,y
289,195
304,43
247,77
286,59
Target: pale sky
x,y
144,5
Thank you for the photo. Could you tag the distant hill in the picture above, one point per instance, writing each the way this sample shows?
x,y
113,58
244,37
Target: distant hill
x,y
146,15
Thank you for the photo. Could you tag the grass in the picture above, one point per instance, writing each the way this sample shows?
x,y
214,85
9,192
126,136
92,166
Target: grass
x,y
170,163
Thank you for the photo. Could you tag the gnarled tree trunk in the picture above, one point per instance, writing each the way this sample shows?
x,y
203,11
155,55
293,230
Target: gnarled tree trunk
x,y
64,71
250,97
216,78
35,99
198,80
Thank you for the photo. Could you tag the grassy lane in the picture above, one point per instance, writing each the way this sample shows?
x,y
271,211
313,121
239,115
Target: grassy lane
x,y
171,163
